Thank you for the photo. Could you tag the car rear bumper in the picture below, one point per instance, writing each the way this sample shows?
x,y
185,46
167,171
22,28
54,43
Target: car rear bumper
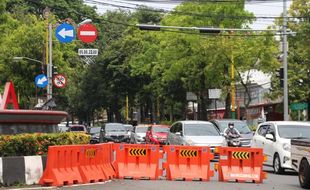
x,y
246,142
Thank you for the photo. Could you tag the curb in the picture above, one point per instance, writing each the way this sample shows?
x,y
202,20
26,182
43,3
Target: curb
x,y
21,169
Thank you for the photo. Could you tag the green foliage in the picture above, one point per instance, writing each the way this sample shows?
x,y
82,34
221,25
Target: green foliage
x,y
37,144
298,56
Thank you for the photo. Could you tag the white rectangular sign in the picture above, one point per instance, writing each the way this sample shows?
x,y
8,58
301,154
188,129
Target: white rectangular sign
x,y
190,96
215,93
87,52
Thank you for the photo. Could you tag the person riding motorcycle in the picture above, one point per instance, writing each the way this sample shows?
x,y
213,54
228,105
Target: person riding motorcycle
x,y
232,135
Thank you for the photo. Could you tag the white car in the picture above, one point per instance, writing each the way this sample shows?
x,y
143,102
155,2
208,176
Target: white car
x,y
195,133
138,136
275,139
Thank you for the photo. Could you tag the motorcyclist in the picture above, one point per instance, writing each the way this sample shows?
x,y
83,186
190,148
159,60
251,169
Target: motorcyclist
x,y
231,132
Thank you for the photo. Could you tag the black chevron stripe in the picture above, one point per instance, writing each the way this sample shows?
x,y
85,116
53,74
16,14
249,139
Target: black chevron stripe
x,y
241,155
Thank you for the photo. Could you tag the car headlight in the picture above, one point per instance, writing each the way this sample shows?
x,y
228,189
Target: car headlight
x,y
287,147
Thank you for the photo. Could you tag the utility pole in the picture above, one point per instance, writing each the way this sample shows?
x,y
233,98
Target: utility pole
x,y
50,65
233,91
49,53
285,88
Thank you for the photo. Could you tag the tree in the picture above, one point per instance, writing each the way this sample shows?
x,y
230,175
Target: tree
x,y
202,62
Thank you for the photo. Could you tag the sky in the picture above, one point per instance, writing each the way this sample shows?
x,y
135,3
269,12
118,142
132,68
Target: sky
x,y
259,8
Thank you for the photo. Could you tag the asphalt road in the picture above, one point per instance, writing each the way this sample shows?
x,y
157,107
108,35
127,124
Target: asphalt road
x,y
288,181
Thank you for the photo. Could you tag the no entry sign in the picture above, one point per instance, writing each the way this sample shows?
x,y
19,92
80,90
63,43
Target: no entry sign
x,y
87,33
59,81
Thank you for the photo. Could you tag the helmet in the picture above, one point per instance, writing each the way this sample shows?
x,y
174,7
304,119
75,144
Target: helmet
x,y
231,125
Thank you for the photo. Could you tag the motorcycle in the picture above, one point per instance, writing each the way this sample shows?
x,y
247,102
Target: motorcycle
x,y
233,140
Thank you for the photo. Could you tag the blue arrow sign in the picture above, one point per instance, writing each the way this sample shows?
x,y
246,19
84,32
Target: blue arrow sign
x,y
65,33
41,81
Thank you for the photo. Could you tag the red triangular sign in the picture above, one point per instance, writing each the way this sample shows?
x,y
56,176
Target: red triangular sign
x,y
9,97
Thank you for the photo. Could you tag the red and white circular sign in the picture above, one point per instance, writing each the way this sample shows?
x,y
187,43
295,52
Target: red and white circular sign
x,y
59,81
87,33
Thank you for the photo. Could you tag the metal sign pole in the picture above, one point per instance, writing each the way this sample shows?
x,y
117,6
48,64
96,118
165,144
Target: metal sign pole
x,y
285,89
50,65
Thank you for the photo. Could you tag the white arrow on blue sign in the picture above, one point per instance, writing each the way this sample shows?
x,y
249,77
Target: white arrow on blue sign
x,y
65,33
41,81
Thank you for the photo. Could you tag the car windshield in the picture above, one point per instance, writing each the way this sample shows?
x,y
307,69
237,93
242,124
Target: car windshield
x,y
294,131
94,130
200,130
77,128
160,129
114,127
128,127
141,129
239,125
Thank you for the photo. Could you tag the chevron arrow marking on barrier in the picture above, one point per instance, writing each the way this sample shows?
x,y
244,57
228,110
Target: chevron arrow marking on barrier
x,y
137,152
241,155
188,153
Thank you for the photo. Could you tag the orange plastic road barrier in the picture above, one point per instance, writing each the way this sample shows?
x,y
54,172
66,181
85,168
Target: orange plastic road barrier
x,y
135,161
95,163
107,160
67,165
62,166
188,163
241,164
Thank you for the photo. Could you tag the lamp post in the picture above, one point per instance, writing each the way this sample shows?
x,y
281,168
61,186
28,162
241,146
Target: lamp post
x,y
27,58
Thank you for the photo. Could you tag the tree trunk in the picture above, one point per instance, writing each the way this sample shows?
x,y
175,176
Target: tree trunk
x,y
227,113
171,112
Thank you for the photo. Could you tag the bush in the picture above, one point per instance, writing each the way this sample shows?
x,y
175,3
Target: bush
x,y
38,143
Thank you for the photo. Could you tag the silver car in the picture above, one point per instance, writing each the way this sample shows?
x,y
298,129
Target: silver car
x,y
196,133
138,136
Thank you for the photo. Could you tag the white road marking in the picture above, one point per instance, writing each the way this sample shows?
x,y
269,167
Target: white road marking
x,y
87,33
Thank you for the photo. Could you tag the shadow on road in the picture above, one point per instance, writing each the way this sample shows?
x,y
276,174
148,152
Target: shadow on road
x,y
288,173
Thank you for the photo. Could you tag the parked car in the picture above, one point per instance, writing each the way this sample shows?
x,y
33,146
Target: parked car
x,y
94,135
114,132
196,133
301,160
157,134
129,127
242,127
138,136
275,139
77,128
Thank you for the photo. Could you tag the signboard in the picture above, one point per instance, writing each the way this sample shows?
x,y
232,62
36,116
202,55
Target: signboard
x,y
87,33
190,96
215,93
299,106
88,52
65,33
59,81
41,81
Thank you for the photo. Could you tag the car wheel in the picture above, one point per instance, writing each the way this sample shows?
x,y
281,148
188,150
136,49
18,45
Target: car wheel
x,y
277,165
304,174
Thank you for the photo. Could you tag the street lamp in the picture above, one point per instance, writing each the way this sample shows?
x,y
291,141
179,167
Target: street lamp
x,y
27,58
86,21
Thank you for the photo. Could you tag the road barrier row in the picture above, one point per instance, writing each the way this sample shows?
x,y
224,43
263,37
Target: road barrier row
x,y
77,164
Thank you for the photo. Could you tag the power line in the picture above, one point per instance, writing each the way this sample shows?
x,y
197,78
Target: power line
x,y
185,13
